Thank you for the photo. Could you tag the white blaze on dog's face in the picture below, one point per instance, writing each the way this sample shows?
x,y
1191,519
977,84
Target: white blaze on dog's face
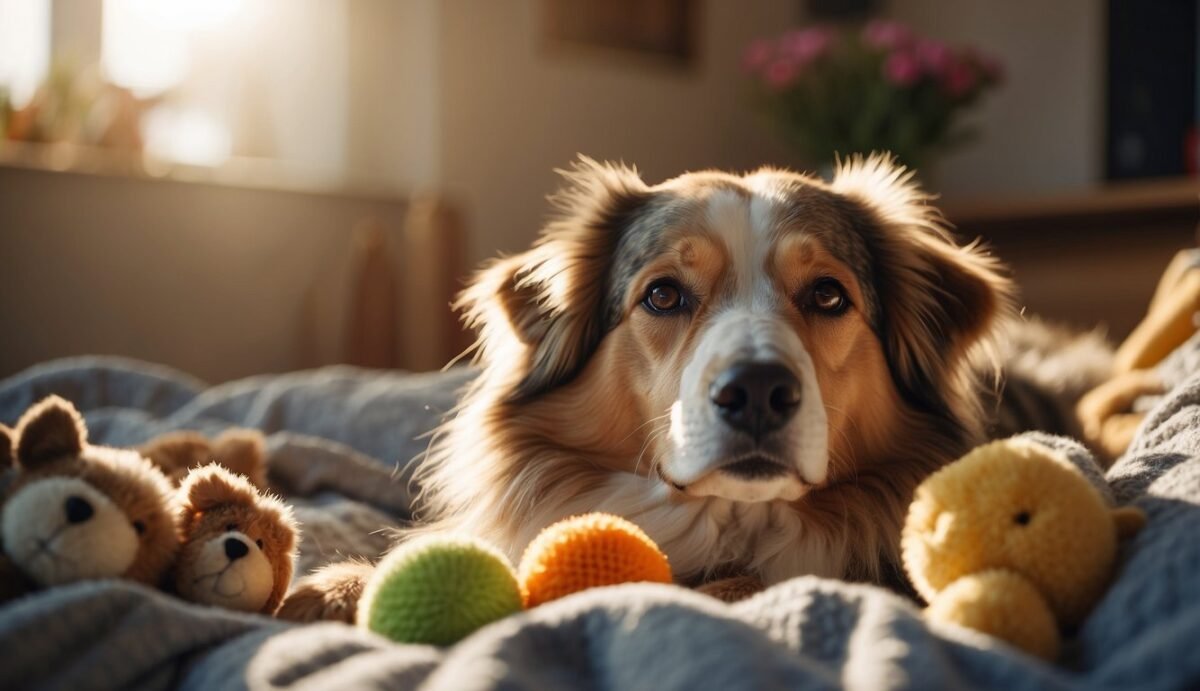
x,y
749,423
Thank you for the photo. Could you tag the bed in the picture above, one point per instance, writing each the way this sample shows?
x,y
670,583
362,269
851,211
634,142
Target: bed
x,y
340,440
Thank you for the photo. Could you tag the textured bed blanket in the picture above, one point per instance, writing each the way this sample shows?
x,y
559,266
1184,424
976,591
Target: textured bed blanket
x,y
339,442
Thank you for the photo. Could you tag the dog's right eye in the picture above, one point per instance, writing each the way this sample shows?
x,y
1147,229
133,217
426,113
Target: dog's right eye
x,y
663,297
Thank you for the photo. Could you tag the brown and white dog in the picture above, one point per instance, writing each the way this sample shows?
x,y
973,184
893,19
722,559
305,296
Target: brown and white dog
x,y
757,370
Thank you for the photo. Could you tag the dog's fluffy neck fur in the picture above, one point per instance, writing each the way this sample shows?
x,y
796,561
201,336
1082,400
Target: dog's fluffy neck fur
x,y
570,452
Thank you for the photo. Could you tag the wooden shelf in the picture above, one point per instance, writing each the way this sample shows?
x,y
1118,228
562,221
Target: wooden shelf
x,y
1091,256
239,171
1166,200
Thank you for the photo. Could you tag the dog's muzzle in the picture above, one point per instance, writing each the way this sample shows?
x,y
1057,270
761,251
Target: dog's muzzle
x,y
749,424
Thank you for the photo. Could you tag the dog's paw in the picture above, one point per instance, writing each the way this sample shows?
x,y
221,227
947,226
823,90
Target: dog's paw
x,y
330,593
733,589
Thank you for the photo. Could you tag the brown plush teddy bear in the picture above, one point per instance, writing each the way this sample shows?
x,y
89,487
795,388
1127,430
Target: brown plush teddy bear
x,y
239,545
239,449
13,583
73,511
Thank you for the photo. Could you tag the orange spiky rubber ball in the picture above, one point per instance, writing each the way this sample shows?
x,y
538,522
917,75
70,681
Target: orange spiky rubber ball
x,y
588,551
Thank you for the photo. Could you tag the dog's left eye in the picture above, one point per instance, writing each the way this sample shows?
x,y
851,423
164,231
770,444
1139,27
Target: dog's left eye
x,y
828,297
140,527
663,297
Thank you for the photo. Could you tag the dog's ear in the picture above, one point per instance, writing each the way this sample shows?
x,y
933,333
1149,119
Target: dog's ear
x,y
542,311
937,300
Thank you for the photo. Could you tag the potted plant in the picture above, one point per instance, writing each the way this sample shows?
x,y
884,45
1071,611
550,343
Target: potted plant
x,y
836,91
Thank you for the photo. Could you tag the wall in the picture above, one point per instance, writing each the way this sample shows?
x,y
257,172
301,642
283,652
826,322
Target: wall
x,y
395,132
217,281
511,111
1043,131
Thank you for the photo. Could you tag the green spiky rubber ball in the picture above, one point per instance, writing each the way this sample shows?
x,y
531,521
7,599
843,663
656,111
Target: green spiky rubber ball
x,y
437,590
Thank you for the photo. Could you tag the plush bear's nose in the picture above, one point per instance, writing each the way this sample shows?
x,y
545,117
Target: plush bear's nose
x,y
235,549
78,509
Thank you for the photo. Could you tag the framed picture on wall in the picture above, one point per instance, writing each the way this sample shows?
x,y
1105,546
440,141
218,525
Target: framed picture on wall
x,y
661,30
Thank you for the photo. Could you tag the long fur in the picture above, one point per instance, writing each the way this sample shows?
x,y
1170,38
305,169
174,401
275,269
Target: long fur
x,y
532,438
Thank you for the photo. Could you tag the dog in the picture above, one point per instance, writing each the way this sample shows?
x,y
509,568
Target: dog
x,y
755,369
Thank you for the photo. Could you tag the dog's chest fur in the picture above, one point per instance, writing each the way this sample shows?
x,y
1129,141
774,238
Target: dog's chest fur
x,y
703,537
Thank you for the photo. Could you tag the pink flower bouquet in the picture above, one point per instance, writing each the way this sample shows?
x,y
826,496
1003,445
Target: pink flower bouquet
x,y
881,88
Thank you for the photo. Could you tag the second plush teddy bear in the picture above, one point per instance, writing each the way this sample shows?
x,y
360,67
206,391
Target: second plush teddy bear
x,y
239,542
239,545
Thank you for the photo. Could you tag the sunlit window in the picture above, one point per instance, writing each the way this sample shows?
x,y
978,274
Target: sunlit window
x,y
149,47
24,46
187,81
146,44
187,136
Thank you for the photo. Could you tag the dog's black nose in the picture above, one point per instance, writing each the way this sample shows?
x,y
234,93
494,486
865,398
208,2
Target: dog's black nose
x,y
78,509
235,549
756,397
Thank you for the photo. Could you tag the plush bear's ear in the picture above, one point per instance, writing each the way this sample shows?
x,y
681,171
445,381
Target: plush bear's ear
x,y
244,452
540,312
210,486
49,430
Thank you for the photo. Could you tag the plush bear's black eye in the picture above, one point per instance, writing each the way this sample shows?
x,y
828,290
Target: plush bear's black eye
x,y
140,527
1022,518
259,543
229,528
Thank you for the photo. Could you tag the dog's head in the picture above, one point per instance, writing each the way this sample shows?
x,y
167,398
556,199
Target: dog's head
x,y
757,336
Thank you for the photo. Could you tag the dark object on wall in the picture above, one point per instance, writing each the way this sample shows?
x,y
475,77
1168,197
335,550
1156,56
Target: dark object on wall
x,y
835,10
1152,87
662,29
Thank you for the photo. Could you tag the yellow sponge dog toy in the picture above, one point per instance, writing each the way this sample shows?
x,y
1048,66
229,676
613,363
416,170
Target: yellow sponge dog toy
x,y
1012,540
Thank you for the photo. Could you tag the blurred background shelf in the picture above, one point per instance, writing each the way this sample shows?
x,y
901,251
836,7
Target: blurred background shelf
x,y
236,171
1091,256
1165,200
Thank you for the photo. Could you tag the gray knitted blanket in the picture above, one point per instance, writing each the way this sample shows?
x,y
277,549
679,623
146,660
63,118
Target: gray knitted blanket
x,y
339,442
